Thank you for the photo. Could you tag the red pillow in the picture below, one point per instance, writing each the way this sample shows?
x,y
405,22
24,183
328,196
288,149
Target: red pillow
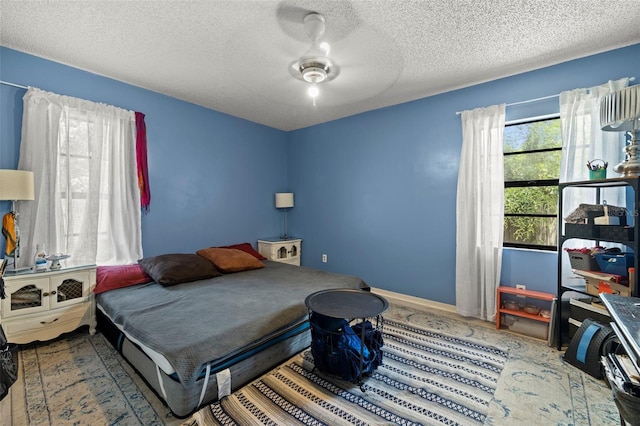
x,y
247,248
112,277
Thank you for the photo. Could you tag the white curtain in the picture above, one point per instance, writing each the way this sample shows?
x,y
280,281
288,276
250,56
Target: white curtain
x,y
583,140
582,137
480,212
87,200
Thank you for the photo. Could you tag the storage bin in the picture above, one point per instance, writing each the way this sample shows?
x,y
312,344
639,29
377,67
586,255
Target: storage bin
x,y
596,232
530,327
582,261
617,264
583,308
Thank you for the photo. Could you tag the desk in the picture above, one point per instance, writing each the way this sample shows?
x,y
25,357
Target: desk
x,y
625,312
344,304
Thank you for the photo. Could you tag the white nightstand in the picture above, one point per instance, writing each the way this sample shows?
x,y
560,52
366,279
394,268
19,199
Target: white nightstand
x,y
43,305
285,251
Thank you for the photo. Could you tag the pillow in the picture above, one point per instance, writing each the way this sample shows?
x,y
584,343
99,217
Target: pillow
x,y
171,269
247,248
112,277
230,260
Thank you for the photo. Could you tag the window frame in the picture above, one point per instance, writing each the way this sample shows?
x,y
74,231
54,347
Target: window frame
x,y
532,183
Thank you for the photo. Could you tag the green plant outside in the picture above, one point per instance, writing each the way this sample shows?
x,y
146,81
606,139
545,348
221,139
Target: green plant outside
x,y
527,167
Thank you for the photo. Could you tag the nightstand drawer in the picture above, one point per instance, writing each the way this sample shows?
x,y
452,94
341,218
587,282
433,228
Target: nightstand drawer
x,y
31,323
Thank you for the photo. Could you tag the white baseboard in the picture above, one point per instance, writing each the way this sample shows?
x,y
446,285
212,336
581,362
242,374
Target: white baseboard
x,y
413,301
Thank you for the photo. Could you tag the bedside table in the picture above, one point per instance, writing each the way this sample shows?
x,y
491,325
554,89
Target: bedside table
x,y
279,250
43,305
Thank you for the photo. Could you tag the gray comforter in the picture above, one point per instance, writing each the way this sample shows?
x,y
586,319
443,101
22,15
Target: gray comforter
x,y
194,323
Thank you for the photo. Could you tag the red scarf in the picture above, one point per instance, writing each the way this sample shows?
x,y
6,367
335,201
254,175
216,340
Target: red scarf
x,y
141,159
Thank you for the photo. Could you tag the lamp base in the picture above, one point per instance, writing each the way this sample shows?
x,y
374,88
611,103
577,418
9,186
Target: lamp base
x,y
628,168
631,164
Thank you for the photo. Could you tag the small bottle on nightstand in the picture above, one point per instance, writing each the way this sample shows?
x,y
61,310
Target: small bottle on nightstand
x,y
40,261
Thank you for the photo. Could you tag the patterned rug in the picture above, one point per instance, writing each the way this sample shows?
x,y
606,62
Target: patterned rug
x,y
426,378
81,380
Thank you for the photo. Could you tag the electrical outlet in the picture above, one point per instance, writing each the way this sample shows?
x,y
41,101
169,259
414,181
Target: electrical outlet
x,y
521,286
324,258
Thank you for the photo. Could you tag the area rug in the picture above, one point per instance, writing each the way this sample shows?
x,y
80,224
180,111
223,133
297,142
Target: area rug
x,y
81,380
426,378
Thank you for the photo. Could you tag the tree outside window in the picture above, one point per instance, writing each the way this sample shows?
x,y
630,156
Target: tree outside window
x,y
531,173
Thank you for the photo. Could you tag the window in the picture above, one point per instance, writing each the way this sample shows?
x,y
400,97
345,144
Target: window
x,y
532,152
87,199
74,165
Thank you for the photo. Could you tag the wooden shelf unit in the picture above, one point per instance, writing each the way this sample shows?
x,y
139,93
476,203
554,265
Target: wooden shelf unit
x,y
532,294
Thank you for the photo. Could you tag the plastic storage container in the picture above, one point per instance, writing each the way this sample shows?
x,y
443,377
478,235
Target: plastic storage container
x,y
617,264
583,261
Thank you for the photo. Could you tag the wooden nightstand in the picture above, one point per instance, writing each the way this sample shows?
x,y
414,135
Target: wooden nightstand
x,y
43,305
279,250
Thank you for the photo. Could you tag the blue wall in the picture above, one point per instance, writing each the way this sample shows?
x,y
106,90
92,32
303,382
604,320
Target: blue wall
x,y
212,175
375,192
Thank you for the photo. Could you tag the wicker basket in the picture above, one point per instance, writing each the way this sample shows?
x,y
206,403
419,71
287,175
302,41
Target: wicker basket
x,y
582,261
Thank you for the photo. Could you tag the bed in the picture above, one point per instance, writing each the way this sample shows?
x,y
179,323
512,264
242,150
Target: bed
x,y
194,342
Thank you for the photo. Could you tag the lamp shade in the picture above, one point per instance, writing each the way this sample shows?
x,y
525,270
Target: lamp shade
x,y
16,185
284,200
619,110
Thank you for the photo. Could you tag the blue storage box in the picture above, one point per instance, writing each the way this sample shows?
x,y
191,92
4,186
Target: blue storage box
x,y
617,264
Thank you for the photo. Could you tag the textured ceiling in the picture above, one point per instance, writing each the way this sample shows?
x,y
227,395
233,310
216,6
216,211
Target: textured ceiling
x,y
233,56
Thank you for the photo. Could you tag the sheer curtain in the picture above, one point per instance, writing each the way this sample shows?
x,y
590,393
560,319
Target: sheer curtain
x,y
87,200
479,212
583,140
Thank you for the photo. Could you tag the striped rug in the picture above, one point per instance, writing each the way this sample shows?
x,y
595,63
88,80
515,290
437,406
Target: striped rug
x,y
426,378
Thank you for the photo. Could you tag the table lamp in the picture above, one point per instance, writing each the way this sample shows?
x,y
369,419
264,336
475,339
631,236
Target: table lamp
x,y
284,200
620,112
14,185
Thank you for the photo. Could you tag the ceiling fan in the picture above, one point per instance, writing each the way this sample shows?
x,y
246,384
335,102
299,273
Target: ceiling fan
x,y
315,66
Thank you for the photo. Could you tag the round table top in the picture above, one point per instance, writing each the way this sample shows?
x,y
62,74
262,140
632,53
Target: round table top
x,y
346,303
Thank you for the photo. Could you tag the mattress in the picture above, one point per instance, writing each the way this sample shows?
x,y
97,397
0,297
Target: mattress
x,y
185,401
223,332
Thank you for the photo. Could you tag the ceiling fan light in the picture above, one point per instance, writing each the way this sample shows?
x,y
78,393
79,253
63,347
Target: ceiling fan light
x,y
314,75
313,91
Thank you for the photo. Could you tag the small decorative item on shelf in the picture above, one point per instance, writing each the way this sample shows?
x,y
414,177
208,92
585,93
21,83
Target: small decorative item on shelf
x,y
532,309
606,218
40,261
55,260
511,304
584,258
597,169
